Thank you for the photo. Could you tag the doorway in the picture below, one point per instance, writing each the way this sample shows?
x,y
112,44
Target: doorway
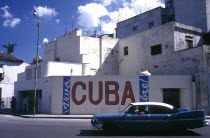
x,y
172,97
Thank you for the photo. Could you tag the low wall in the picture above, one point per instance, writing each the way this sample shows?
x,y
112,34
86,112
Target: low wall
x,y
102,94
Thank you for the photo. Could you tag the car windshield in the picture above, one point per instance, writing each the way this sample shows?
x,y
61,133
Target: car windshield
x,y
126,109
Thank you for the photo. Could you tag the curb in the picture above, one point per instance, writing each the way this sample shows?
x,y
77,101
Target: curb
x,y
49,117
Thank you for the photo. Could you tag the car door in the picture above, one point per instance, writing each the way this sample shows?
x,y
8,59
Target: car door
x,y
160,117
134,120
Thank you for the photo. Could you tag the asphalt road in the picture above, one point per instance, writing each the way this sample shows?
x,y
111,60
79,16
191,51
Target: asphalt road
x,y
16,127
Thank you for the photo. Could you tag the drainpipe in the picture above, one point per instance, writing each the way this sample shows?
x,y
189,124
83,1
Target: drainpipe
x,y
100,52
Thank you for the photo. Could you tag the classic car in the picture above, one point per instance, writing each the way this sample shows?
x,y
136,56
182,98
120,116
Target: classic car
x,y
150,116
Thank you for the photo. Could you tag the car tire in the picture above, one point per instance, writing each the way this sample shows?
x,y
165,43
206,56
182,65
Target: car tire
x,y
110,128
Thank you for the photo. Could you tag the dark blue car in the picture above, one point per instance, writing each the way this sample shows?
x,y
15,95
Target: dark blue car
x,y
150,116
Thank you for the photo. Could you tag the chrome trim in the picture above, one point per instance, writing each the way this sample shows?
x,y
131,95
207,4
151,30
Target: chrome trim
x,y
98,126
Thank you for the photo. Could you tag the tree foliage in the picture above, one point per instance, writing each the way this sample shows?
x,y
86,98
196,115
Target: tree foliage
x,y
9,47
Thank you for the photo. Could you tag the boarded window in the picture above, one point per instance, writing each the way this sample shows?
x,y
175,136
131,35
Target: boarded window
x,y
125,50
157,49
135,28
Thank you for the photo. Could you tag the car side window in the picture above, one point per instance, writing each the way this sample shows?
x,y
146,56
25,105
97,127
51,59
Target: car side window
x,y
131,110
143,109
160,110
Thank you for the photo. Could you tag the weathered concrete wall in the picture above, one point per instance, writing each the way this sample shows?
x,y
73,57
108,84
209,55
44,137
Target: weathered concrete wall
x,y
99,55
170,61
208,14
192,12
202,91
125,28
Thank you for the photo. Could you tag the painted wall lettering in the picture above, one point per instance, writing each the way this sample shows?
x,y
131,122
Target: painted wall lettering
x,y
66,95
100,93
144,88
114,92
128,93
108,88
74,87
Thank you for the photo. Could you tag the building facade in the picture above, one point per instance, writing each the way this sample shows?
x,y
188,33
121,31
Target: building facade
x,y
10,66
176,44
164,41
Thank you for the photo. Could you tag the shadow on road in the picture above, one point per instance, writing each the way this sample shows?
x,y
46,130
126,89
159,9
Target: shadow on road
x,y
102,133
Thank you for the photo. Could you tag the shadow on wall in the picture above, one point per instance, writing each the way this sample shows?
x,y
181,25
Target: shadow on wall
x,y
110,65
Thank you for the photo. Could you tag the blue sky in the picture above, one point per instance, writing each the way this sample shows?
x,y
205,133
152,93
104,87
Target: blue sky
x,y
17,24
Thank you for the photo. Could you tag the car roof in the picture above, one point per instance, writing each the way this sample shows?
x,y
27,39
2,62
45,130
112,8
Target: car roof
x,y
153,103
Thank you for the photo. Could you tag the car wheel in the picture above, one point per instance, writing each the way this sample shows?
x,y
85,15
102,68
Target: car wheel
x,y
110,128
180,129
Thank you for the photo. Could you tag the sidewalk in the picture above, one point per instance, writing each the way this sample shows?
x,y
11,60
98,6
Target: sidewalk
x,y
57,116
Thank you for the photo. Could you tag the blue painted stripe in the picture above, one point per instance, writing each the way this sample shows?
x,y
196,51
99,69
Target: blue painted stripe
x,y
66,95
143,88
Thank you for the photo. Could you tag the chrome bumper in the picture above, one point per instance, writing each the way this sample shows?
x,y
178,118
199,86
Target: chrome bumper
x,y
206,123
97,126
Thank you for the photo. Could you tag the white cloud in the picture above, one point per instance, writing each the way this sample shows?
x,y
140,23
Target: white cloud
x,y
45,11
105,2
57,21
109,27
90,14
11,22
6,12
45,41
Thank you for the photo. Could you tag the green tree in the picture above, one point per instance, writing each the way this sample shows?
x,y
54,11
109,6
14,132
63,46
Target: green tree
x,y
9,47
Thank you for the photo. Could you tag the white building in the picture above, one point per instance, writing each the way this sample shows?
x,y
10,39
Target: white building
x,y
70,55
10,66
98,55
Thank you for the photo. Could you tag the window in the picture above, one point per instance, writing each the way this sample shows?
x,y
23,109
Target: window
x,y
1,76
125,51
1,72
157,49
161,110
135,28
57,59
150,25
189,41
28,74
131,110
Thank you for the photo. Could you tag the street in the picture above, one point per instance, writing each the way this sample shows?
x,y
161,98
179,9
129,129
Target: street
x,y
11,126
